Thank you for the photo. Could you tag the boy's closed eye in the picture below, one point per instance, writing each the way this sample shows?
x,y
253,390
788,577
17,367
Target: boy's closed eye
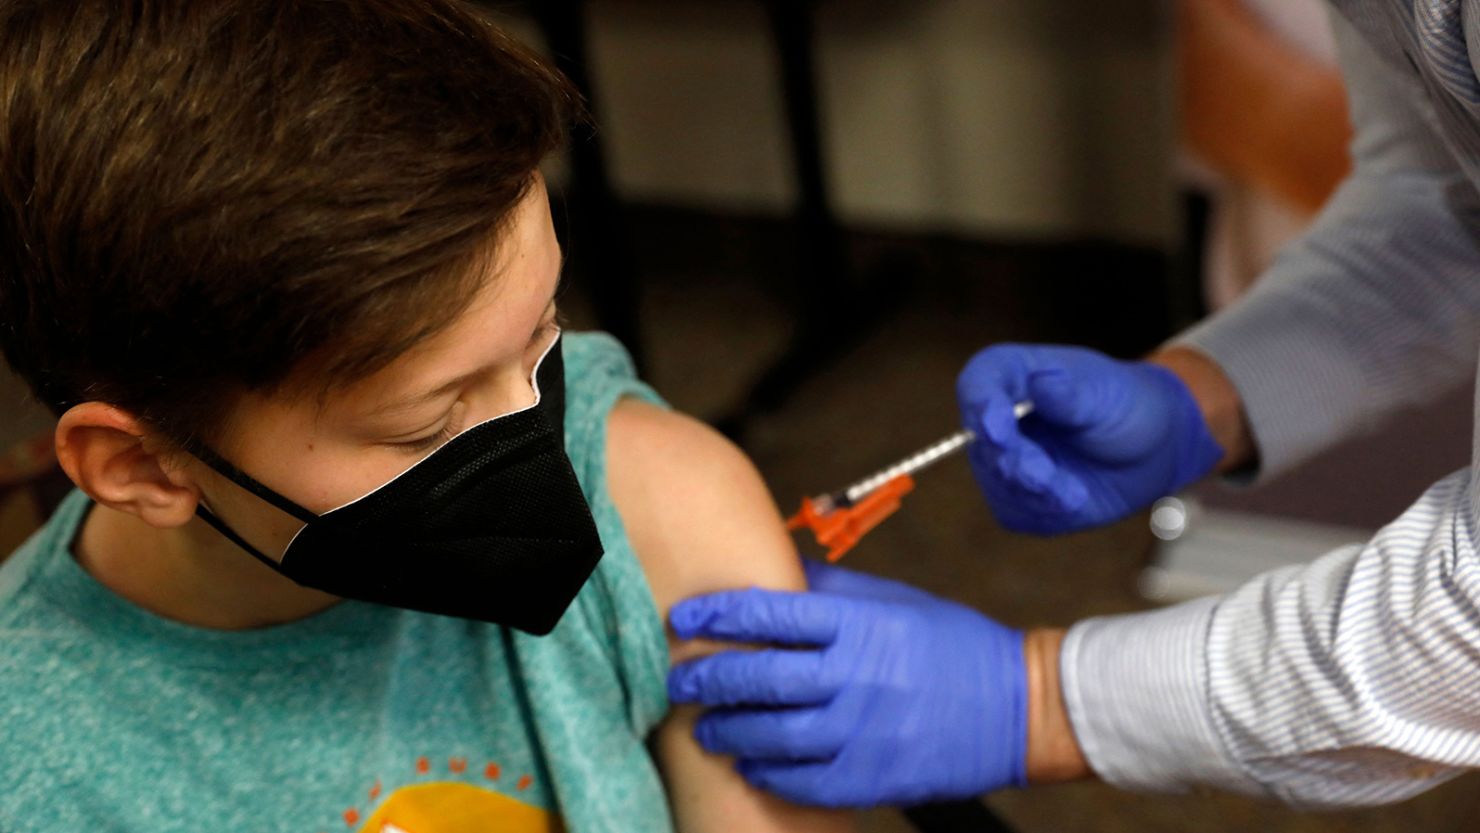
x,y
452,425
455,419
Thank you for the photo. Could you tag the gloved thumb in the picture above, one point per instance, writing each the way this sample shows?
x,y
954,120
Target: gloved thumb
x,y
1059,400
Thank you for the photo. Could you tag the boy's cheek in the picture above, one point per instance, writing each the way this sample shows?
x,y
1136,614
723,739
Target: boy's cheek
x,y
264,527
315,471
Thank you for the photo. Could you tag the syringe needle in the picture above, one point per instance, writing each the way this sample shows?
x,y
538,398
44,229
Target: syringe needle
x,y
912,464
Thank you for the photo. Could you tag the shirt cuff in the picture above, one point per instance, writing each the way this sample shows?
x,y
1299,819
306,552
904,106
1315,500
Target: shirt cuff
x,y
1300,389
1136,691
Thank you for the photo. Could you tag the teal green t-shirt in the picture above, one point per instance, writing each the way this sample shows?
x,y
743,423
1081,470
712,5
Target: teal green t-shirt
x,y
364,719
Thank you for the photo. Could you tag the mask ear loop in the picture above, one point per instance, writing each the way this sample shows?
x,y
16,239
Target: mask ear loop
x,y
251,484
246,481
230,534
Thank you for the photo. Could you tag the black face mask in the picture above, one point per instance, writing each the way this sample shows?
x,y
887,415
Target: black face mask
x,y
491,526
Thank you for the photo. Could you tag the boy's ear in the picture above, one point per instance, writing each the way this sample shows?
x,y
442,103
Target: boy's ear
x,y
119,463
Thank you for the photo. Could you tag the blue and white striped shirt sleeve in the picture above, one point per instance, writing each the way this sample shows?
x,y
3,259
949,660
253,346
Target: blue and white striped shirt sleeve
x,y
1354,680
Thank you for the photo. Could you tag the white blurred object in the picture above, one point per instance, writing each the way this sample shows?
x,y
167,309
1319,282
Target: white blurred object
x,y
1208,551
1169,518
1302,23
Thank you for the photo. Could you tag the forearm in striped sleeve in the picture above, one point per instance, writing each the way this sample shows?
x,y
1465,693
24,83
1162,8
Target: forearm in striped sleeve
x,y
1351,681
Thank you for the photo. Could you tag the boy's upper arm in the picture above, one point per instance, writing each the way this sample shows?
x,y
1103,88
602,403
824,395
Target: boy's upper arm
x,y
701,520
696,510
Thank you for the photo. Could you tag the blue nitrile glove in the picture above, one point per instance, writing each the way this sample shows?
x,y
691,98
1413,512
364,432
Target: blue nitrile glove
x,y
886,695
1106,438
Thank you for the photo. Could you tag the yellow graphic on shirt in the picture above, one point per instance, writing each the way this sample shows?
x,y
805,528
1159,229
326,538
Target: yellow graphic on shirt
x,y
457,808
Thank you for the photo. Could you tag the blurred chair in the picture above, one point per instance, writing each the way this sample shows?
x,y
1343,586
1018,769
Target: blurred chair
x,y
31,487
826,320
600,252
824,329
30,483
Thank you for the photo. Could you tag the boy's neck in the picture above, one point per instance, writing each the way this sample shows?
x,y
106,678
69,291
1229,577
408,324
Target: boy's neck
x,y
189,574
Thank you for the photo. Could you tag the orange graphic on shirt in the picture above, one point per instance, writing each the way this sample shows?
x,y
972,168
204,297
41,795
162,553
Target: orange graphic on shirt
x,y
447,806
457,808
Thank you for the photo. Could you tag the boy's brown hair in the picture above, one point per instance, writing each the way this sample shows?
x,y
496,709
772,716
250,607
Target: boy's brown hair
x,y
200,197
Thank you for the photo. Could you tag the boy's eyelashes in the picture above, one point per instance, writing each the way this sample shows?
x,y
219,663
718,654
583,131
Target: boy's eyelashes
x,y
451,427
555,320
428,443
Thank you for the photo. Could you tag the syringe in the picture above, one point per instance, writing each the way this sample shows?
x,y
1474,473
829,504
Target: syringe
x,y
840,519
911,465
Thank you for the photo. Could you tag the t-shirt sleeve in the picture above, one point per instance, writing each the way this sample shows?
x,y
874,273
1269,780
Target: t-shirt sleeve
x,y
599,374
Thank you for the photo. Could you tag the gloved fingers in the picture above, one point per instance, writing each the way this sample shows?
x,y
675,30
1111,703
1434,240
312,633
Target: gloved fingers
x,y
752,678
1045,485
997,435
814,784
827,578
1062,401
1028,468
998,424
1028,480
999,371
1020,510
788,734
758,616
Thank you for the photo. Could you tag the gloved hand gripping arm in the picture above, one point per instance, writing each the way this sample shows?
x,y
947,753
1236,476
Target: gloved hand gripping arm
x,y
882,694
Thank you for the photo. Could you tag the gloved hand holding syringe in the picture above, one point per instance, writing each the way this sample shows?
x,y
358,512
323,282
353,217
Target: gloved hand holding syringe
x,y
1107,437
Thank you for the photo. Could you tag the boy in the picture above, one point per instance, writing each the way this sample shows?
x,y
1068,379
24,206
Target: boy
x,y
361,541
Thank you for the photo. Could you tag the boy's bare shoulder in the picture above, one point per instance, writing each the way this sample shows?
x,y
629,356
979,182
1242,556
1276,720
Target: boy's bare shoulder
x,y
701,519
696,510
